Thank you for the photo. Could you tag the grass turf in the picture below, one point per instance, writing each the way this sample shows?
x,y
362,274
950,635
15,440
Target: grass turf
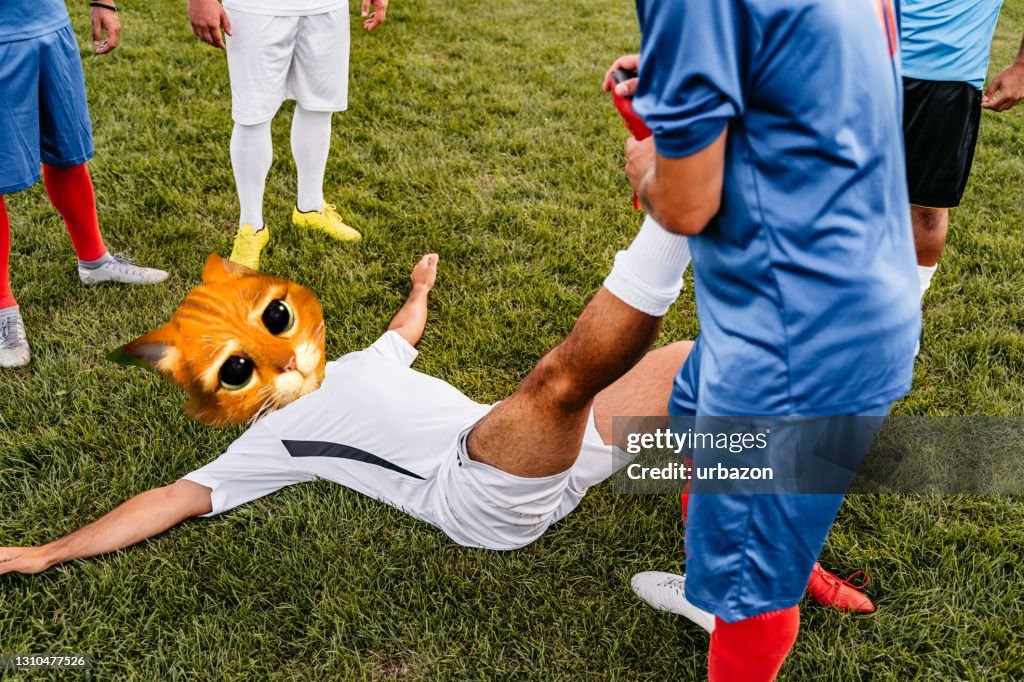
x,y
479,132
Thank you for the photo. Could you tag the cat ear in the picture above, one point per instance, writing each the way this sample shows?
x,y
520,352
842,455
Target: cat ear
x,y
149,351
219,269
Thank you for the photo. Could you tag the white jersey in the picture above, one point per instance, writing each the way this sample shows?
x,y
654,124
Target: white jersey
x,y
395,434
293,8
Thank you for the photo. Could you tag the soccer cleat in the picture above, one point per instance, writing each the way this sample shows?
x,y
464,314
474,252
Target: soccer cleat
x,y
13,342
121,269
830,590
666,592
248,246
326,220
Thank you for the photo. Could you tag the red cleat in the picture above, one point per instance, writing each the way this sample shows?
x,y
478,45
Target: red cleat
x,y
831,590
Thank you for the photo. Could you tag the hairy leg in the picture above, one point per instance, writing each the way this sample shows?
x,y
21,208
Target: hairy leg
x,y
538,431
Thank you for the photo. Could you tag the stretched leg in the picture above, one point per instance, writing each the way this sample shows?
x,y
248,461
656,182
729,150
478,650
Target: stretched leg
x,y
251,155
538,431
930,228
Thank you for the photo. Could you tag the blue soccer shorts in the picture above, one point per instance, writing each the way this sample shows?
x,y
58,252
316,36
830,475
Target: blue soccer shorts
x,y
753,552
44,116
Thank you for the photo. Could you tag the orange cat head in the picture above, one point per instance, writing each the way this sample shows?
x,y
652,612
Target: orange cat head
x,y
242,344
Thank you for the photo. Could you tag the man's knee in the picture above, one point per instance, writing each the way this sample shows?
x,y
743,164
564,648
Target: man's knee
x,y
927,219
552,385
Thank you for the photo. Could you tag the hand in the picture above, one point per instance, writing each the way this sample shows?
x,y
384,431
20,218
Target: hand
x,y
104,21
640,155
26,560
379,12
424,273
1009,85
207,17
630,62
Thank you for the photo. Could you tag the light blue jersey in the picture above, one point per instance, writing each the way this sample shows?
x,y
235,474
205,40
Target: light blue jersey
x,y
23,19
948,40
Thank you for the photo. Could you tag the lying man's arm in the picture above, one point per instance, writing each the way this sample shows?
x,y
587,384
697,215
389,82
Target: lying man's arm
x,y
411,318
145,515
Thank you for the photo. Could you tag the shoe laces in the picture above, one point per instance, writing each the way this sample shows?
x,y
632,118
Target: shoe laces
x,y
836,583
12,332
331,210
122,260
675,584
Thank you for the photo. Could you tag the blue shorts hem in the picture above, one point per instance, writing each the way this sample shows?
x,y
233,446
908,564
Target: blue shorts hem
x,y
68,163
19,186
734,614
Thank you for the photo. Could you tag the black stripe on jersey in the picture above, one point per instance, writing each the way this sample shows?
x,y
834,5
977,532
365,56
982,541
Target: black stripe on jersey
x,y
316,448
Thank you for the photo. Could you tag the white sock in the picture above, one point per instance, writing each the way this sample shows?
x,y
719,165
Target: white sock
x,y
251,156
924,277
311,142
648,275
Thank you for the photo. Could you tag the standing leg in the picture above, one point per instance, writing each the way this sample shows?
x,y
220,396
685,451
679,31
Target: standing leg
x,y
14,350
252,153
319,81
930,228
71,192
6,295
311,143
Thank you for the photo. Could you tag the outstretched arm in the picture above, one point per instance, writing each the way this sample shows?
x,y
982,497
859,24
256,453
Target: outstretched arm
x,y
411,318
145,515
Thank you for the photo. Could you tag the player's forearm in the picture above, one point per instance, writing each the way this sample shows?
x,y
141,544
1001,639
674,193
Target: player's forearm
x,y
684,194
411,318
143,516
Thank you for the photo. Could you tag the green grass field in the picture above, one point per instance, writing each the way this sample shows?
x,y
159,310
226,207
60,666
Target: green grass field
x,y
478,131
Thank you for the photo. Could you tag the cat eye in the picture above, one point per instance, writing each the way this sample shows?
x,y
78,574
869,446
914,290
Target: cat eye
x,y
278,317
236,372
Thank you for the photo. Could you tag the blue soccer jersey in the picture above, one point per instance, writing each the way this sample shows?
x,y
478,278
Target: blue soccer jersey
x,y
805,279
23,19
948,40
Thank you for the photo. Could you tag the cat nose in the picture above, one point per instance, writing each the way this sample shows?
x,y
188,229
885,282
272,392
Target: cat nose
x,y
291,364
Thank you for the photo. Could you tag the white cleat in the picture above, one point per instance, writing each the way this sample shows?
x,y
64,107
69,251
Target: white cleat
x,y
666,592
13,342
120,269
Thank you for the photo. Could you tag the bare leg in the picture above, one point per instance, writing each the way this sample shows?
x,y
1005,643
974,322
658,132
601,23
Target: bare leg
x,y
643,391
930,228
538,431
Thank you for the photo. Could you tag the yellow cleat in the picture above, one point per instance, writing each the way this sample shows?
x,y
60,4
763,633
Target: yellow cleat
x,y
248,245
326,220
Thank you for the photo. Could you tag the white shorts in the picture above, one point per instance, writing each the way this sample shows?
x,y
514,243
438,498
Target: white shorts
x,y
274,58
486,507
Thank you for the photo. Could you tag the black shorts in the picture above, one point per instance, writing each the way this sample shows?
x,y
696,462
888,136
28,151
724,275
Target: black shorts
x,y
940,127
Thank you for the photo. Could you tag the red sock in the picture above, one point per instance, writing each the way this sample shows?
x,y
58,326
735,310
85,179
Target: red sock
x,y
70,191
684,498
6,296
753,649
